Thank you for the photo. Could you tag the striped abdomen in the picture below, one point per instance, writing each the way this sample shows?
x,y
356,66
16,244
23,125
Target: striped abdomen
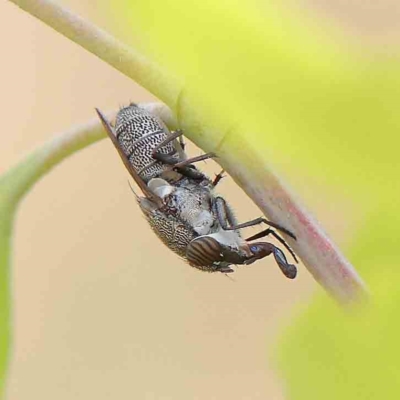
x,y
139,133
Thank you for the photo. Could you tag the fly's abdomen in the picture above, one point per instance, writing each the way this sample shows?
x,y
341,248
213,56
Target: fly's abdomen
x,y
139,133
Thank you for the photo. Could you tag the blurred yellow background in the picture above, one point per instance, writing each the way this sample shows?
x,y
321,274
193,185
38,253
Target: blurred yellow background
x,y
102,308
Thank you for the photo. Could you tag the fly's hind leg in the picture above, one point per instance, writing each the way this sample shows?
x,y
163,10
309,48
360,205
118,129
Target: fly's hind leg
x,y
184,167
192,160
174,135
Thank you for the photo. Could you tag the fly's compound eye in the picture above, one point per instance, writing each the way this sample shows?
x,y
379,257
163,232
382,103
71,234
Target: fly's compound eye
x,y
204,252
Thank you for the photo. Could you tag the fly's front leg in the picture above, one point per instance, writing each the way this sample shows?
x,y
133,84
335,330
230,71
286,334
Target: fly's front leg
x,y
224,214
289,270
269,231
221,206
261,250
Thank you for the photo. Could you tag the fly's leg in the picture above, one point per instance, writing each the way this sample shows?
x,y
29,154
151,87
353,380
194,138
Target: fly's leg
x,y
185,170
171,161
183,166
258,249
224,214
192,160
269,231
262,220
174,135
262,249
289,270
166,158
221,210
218,178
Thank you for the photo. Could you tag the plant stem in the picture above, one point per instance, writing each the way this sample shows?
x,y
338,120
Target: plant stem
x,y
104,46
19,179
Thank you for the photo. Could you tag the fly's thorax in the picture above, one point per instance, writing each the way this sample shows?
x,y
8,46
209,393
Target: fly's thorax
x,y
192,206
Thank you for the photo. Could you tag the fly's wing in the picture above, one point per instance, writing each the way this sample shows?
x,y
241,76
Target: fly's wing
x,y
142,185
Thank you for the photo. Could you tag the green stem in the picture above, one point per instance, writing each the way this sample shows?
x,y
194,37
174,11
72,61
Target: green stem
x,y
104,46
20,178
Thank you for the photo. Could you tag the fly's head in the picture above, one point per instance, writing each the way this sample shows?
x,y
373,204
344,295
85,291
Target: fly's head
x,y
225,248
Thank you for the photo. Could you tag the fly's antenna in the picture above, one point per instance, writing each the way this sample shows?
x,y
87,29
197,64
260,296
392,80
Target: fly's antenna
x,y
229,277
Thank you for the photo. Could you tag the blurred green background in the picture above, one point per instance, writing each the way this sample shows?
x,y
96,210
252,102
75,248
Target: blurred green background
x,y
315,86
315,100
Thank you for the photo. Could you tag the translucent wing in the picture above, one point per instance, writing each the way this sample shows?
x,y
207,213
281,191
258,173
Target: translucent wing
x,y
142,185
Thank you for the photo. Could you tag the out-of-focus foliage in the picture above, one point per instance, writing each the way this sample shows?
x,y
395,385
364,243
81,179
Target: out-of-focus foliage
x,y
308,103
6,217
330,354
14,184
